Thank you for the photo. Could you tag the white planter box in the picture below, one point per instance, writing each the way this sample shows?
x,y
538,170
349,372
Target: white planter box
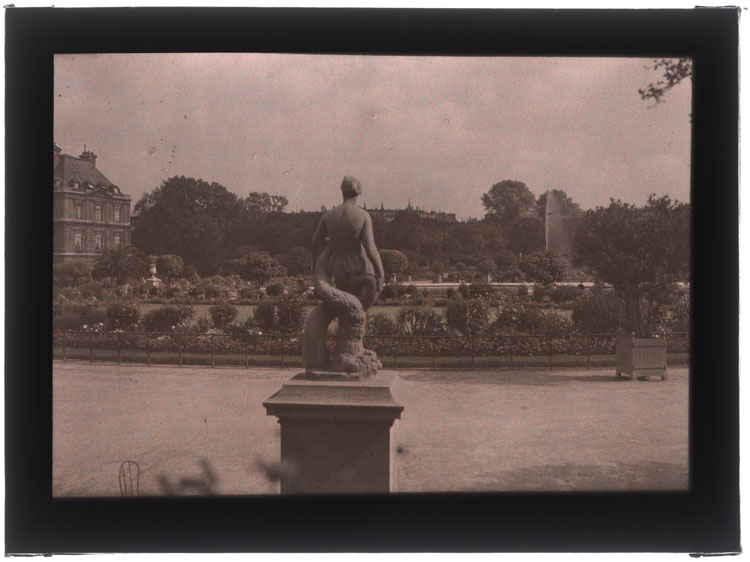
x,y
641,357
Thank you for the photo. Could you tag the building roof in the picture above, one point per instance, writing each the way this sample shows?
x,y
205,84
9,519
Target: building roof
x,y
70,169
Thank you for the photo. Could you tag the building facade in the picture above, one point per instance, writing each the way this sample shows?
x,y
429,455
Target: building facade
x,y
90,214
390,214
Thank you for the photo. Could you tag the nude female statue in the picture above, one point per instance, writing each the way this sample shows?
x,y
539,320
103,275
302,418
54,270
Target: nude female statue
x,y
348,276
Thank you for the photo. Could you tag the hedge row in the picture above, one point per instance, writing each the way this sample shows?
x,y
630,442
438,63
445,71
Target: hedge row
x,y
383,345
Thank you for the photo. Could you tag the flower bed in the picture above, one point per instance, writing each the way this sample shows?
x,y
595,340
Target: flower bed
x,y
387,346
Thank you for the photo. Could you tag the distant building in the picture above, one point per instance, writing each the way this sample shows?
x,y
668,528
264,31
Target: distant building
x,y
91,214
390,214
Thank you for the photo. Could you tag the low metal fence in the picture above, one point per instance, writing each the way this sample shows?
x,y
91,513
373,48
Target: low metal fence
x,y
285,350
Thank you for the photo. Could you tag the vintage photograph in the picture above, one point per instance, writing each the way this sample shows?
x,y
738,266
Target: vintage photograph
x,y
291,274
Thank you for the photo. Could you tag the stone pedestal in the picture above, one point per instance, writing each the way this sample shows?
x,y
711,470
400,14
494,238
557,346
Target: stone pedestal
x,y
337,435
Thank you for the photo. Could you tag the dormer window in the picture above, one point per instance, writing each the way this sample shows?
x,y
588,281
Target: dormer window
x,y
76,185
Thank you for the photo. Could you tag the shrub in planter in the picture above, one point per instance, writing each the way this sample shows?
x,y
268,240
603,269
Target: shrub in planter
x,y
275,289
290,315
74,316
264,316
165,318
222,314
381,325
123,316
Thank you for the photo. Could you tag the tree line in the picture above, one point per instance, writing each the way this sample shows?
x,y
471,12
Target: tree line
x,y
215,231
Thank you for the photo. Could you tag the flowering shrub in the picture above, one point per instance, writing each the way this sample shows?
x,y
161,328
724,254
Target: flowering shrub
x,y
275,289
420,321
73,316
123,316
290,315
381,325
166,318
384,346
565,293
467,316
222,314
265,315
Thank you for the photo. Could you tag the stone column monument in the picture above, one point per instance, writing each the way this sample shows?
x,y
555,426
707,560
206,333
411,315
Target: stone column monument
x,y
337,416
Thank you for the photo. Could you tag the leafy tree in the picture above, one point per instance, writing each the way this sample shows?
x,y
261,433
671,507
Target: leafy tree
x,y
543,267
598,312
121,264
506,258
641,251
526,235
296,261
255,266
169,266
437,267
568,207
70,273
190,218
486,266
393,262
508,200
263,203
674,71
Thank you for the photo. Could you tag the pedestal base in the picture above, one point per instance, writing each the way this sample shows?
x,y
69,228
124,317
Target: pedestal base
x,y
336,436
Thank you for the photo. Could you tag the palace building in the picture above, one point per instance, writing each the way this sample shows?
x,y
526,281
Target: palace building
x,y
390,214
90,214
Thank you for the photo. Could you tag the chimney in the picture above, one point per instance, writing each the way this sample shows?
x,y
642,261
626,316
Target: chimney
x,y
88,156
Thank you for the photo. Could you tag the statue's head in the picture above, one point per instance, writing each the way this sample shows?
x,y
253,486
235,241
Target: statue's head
x,y
350,187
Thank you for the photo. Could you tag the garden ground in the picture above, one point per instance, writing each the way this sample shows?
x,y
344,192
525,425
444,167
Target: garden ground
x,y
512,430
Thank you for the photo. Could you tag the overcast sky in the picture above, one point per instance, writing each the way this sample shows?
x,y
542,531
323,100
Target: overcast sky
x,y
438,130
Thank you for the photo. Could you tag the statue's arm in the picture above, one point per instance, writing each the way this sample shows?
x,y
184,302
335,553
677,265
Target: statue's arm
x,y
368,242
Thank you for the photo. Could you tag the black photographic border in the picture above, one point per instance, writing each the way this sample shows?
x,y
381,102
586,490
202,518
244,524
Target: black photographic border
x,y
703,520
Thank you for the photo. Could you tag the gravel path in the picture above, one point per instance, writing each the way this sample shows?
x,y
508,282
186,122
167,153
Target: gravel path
x,y
195,429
